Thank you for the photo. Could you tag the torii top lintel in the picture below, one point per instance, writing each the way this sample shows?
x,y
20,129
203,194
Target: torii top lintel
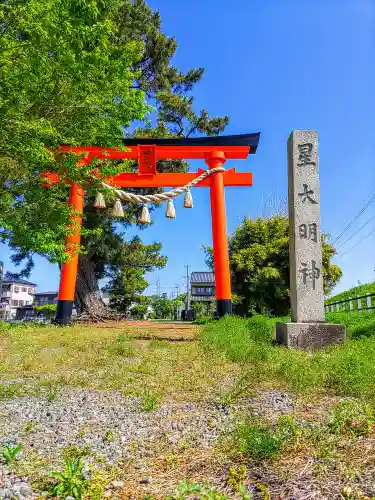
x,y
148,151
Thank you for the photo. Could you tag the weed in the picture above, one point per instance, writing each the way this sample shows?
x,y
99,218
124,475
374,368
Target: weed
x,y
151,401
29,426
205,492
76,452
257,440
10,453
260,441
236,477
71,481
10,390
109,435
99,479
353,418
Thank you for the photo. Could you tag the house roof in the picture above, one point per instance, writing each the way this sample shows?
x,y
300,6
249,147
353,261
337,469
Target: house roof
x,y
19,281
202,277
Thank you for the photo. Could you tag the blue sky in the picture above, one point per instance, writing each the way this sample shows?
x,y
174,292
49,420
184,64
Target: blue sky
x,y
274,66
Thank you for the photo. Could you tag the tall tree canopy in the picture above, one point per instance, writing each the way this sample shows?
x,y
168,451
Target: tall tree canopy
x,y
259,260
76,72
65,78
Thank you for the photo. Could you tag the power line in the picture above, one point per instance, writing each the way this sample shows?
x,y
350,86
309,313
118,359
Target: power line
x,y
350,237
358,242
372,198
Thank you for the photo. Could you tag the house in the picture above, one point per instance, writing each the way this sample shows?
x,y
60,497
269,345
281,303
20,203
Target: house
x,y
44,298
17,297
202,288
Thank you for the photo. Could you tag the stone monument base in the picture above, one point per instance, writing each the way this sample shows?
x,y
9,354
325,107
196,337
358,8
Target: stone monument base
x,y
309,335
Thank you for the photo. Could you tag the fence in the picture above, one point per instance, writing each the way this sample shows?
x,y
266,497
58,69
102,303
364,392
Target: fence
x,y
362,303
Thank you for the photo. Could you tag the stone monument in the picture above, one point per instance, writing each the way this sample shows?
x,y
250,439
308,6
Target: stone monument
x,y
308,328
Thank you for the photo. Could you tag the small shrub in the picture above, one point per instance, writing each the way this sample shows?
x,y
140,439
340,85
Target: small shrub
x,y
71,481
10,453
352,418
151,401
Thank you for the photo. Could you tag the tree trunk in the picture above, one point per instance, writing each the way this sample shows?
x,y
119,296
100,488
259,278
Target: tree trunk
x,y
87,296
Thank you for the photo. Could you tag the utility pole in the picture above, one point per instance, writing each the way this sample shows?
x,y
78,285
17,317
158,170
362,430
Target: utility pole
x,y
158,286
187,301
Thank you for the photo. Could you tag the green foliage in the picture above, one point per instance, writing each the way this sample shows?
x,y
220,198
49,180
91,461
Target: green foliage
x,y
240,339
126,274
202,491
163,307
75,453
353,418
151,401
199,308
10,453
48,310
203,320
122,347
356,291
66,78
260,441
71,481
52,389
10,390
346,369
259,260
358,324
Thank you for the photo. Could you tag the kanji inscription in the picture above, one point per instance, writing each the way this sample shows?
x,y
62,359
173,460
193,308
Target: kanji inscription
x,y
305,152
306,276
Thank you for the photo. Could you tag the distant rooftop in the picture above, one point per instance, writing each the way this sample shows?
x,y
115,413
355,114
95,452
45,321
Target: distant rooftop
x,y
202,277
46,293
19,281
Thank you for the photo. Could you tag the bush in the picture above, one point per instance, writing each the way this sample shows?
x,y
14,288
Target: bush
x,y
48,310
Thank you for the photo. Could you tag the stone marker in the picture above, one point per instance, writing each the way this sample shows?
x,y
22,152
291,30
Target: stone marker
x,y
308,329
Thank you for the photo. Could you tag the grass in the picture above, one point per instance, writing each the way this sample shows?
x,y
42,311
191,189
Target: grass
x,y
234,362
50,358
346,369
357,291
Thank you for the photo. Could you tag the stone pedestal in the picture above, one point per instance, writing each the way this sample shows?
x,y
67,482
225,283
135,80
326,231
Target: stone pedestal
x,y
309,335
307,329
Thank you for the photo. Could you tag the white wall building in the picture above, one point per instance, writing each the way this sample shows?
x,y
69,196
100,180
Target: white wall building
x,y
16,295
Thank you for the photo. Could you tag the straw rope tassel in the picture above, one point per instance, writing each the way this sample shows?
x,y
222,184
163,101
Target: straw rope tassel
x,y
99,200
144,217
171,212
117,210
188,200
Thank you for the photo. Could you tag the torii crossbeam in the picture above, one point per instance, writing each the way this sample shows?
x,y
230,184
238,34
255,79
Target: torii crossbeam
x,y
214,150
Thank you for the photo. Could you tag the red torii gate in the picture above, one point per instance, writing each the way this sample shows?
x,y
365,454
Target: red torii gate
x,y
214,150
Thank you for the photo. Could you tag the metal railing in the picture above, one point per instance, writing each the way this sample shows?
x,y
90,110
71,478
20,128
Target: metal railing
x,y
361,303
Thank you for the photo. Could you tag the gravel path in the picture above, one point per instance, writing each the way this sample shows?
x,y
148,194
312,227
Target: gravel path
x,y
114,427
